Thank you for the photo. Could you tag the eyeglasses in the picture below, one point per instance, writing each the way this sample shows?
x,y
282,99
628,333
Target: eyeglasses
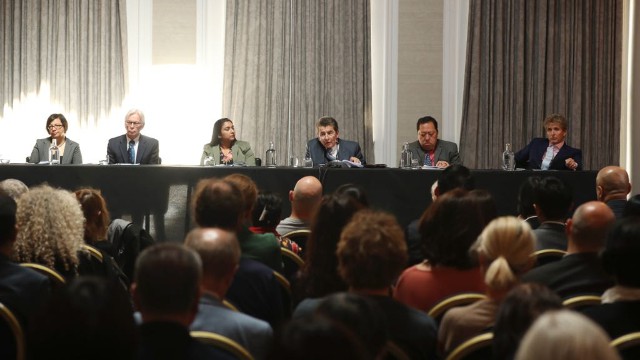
x,y
133,123
57,126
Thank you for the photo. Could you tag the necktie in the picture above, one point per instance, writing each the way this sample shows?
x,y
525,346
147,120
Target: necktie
x,y
546,161
329,154
427,160
132,152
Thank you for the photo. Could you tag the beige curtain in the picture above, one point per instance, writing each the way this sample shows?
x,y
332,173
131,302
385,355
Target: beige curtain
x,y
76,47
289,62
530,58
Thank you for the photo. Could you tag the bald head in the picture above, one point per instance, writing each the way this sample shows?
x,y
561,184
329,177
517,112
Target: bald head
x,y
589,226
218,249
305,196
612,183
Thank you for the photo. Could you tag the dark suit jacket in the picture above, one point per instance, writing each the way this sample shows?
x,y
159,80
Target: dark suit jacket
x,y
445,151
550,236
531,156
71,155
347,149
617,319
22,290
148,150
574,274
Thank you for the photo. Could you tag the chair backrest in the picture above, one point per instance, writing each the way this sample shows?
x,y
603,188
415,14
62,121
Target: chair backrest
x,y
581,301
229,305
478,347
12,343
285,287
93,252
628,345
291,263
55,277
299,236
439,309
223,343
546,256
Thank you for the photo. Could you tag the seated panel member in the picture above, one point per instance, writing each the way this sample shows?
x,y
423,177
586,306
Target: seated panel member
x,y
441,153
133,147
57,127
225,149
551,153
328,147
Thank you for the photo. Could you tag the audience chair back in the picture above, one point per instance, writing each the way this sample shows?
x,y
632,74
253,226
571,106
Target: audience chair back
x,y
229,305
285,290
12,343
581,301
56,279
439,309
299,236
478,347
93,252
628,345
546,256
291,263
222,343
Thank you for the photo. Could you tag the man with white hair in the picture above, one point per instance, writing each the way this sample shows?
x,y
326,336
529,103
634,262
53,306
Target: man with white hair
x,y
133,147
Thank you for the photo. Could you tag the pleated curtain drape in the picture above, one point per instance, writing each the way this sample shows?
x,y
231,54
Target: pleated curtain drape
x,y
527,59
75,47
289,62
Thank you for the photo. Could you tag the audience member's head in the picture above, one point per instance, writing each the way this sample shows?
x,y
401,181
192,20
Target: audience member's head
x,y
248,189
632,207
217,203
565,334
622,251
166,283
355,191
453,177
96,215
267,211
220,254
319,275
552,199
50,228
612,183
305,197
359,314
503,249
452,224
13,187
7,222
91,318
588,228
525,197
372,251
518,310
317,337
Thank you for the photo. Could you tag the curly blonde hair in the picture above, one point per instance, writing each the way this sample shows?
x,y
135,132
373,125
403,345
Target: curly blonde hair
x,y
50,228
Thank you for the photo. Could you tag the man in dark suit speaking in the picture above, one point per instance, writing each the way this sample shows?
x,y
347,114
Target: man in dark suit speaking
x,y
431,151
133,147
328,147
551,153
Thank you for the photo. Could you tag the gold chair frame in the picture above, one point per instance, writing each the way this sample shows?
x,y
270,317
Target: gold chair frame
x,y
471,345
581,300
15,327
222,342
53,275
454,301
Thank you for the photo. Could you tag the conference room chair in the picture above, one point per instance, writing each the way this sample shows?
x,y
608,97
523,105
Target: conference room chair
x,y
299,237
12,343
223,343
478,347
546,256
439,309
581,301
93,252
628,345
291,263
56,279
285,290
229,305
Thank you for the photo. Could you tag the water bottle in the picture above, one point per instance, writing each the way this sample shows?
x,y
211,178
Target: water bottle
x,y
405,156
270,156
54,153
508,161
